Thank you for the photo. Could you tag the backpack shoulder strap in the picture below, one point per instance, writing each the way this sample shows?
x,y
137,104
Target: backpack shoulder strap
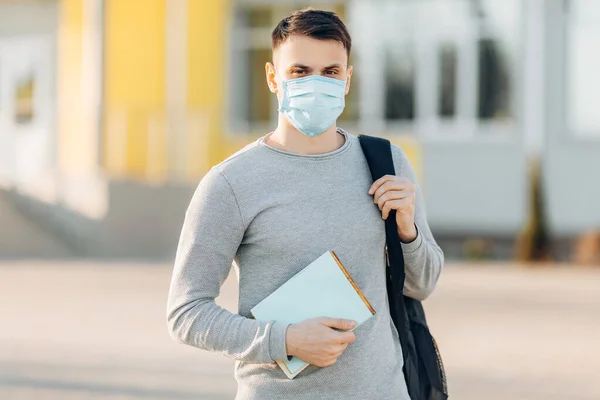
x,y
378,152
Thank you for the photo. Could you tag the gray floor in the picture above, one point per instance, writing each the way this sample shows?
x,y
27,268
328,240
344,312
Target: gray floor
x,y
84,330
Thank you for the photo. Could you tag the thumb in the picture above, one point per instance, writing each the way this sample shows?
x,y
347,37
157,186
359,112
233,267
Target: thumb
x,y
338,323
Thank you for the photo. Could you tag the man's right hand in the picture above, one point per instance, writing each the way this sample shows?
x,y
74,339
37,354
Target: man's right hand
x,y
315,342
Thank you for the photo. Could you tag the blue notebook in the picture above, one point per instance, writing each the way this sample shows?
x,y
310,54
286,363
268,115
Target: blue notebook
x,y
322,289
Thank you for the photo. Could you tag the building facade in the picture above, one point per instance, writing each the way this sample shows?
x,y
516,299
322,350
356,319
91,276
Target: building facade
x,y
112,110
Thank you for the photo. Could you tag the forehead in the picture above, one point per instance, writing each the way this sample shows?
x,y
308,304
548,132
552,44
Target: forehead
x,y
308,51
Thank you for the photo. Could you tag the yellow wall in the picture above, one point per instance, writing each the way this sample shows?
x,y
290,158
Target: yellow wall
x,y
135,88
412,150
134,82
208,26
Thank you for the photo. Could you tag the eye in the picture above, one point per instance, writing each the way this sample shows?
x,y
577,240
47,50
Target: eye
x,y
298,71
331,72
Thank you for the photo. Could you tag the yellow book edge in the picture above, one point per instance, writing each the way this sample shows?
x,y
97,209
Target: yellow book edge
x,y
354,285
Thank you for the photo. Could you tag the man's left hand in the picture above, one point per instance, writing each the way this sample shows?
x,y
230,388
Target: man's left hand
x,y
392,192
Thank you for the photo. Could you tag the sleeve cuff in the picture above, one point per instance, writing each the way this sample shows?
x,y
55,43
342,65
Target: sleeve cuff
x,y
277,346
414,245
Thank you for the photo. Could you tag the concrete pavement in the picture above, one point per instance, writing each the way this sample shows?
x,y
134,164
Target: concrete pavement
x,y
75,330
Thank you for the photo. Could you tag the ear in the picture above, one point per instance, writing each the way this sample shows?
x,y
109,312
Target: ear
x,y
348,78
271,77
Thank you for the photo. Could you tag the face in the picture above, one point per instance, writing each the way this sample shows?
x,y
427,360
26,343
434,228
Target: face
x,y
301,56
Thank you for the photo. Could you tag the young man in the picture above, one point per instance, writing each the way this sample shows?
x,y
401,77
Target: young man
x,y
277,205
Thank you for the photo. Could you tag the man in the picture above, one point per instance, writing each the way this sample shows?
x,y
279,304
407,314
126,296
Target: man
x,y
277,205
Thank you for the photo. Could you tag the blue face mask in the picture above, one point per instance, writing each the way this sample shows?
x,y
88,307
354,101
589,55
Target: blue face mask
x,y
313,103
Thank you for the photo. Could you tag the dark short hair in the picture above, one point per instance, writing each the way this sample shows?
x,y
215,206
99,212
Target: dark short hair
x,y
317,24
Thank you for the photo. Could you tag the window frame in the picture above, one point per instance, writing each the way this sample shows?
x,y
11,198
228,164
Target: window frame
x,y
428,124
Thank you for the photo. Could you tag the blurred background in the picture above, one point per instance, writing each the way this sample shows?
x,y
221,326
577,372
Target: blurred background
x,y
112,111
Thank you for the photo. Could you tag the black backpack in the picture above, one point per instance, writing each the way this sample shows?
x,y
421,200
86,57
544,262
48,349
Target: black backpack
x,y
423,368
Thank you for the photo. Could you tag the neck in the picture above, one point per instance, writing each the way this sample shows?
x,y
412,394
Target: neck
x,y
287,137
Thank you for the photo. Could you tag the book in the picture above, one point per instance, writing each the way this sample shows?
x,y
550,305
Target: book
x,y
324,288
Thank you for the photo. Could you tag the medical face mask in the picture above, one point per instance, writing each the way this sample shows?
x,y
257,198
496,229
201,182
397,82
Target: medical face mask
x,y
313,103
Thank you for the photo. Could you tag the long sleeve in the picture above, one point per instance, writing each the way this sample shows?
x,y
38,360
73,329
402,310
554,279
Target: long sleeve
x,y
423,257
212,232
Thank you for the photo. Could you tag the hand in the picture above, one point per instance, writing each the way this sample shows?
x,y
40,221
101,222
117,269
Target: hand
x,y
315,342
392,192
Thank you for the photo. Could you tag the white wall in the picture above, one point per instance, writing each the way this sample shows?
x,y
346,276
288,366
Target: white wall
x,y
571,158
26,154
28,46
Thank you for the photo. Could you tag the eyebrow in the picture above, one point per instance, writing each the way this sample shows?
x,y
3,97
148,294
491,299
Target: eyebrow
x,y
306,67
300,66
332,66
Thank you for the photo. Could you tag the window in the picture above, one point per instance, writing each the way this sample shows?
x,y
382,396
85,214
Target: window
x,y
447,62
493,85
252,105
439,65
400,83
496,48
583,64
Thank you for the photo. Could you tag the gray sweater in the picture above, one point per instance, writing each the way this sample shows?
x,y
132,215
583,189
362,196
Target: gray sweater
x,y
271,213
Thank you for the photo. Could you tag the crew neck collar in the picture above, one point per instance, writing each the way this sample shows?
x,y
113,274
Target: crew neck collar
x,y
336,152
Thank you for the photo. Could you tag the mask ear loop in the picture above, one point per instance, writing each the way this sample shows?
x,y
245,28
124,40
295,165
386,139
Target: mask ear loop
x,y
278,79
280,89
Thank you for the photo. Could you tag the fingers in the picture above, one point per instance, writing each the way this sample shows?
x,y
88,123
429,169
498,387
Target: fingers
x,y
397,205
343,325
397,188
333,355
338,323
380,182
394,195
347,337
393,184
339,342
337,350
343,338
